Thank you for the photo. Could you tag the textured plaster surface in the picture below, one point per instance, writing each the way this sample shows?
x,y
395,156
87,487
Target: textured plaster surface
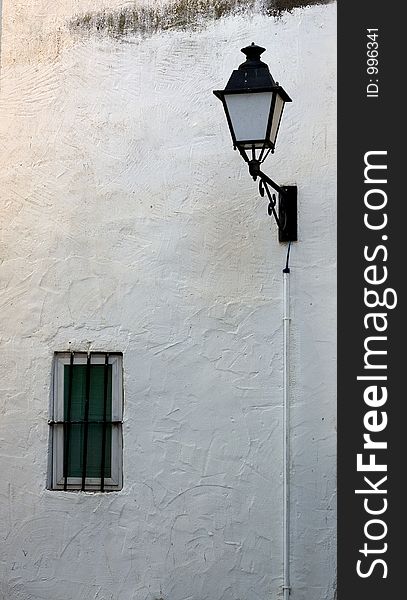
x,y
129,224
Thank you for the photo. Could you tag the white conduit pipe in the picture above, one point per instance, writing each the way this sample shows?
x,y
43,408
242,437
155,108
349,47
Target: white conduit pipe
x,y
286,434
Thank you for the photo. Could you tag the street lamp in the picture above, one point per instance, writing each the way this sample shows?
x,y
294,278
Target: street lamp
x,y
254,105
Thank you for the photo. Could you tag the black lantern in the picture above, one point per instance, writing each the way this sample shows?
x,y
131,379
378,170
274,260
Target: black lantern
x,y
253,104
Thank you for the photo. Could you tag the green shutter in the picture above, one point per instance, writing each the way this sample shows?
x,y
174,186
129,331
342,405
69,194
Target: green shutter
x,y
95,429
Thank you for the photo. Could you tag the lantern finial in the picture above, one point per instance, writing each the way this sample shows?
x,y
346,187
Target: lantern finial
x,y
253,53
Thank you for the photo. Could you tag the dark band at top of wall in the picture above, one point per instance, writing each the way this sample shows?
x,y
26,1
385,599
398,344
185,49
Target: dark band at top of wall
x,y
179,14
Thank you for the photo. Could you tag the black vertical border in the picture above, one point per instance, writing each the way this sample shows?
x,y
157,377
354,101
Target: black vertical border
x,y
366,124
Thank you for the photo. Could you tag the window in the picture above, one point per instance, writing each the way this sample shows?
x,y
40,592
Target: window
x,y
86,422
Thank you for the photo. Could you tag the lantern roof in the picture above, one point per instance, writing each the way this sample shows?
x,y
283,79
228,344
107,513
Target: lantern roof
x,y
253,75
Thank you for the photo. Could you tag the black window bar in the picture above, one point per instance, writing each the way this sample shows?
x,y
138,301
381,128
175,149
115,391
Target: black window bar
x,y
102,462
68,421
86,424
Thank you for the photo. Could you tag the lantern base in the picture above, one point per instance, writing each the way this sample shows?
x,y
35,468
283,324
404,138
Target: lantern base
x,y
287,214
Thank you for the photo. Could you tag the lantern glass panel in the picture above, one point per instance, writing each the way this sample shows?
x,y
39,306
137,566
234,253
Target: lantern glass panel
x,y
249,114
278,110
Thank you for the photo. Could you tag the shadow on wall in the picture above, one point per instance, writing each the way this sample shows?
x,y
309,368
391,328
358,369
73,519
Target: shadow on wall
x,y
178,14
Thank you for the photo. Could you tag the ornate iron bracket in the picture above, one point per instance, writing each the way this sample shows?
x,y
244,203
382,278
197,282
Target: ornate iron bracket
x,y
286,218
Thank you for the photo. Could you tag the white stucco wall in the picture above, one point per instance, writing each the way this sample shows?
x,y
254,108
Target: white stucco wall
x,y
128,223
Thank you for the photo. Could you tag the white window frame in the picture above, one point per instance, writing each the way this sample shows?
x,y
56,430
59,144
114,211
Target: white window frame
x,y
115,482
